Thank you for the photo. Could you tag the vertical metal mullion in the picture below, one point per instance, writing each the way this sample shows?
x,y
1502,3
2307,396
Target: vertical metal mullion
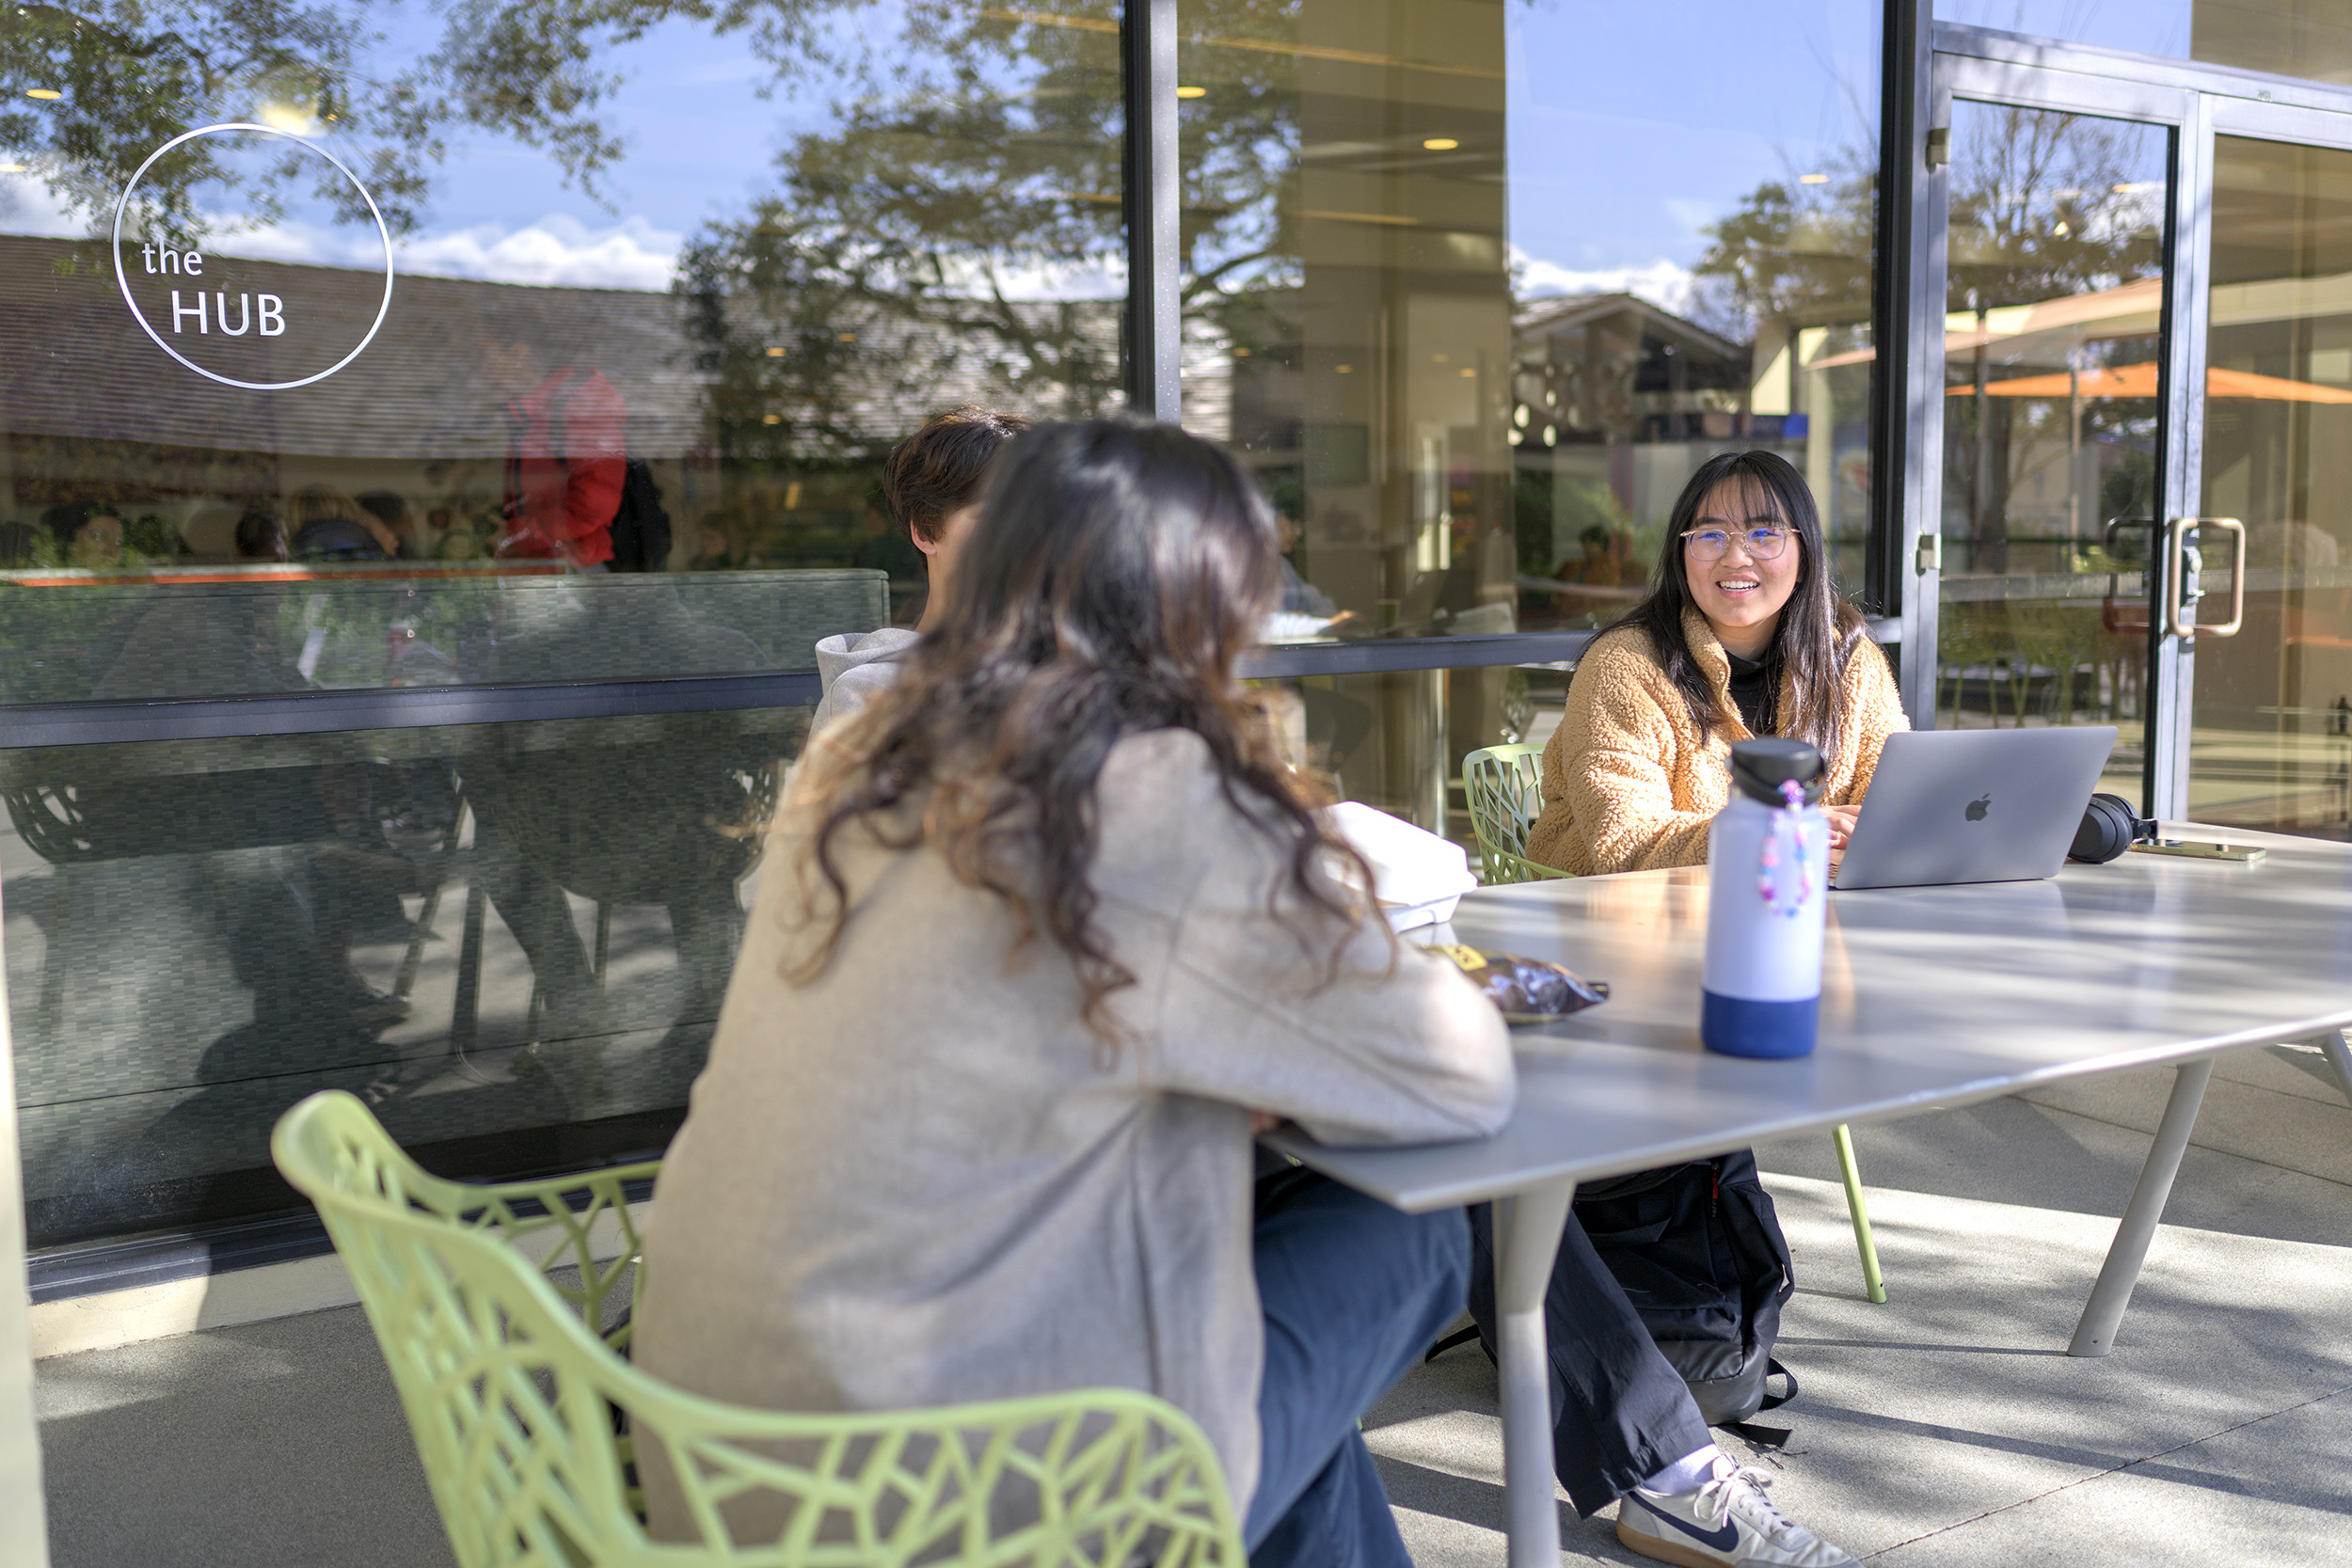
x,y
1892,281
1911,409
2188,250
1146,43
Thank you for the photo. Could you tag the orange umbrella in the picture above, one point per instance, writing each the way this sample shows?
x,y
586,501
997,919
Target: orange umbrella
x,y
2139,381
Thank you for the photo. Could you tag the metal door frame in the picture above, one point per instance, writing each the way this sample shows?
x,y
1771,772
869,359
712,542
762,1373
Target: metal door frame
x,y
2192,102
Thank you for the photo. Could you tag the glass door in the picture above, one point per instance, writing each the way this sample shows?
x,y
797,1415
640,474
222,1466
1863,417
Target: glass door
x,y
2270,702
2057,246
2055,265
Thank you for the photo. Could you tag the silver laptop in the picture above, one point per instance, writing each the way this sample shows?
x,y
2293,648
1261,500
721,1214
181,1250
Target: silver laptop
x,y
1973,805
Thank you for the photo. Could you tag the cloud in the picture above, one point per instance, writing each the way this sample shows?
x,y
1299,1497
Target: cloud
x,y
27,206
557,249
1663,283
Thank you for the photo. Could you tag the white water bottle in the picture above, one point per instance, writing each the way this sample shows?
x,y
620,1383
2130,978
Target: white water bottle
x,y
1768,890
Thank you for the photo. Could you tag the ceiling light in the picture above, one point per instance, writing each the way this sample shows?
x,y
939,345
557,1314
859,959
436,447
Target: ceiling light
x,y
1468,369
1240,353
1812,179
1440,144
1192,92
44,94
776,351
844,337
11,168
1343,370
1551,436
771,419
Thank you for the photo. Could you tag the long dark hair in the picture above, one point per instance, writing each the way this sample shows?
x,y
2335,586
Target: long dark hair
x,y
1818,630
1116,571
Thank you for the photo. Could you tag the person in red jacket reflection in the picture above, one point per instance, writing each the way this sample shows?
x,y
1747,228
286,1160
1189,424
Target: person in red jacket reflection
x,y
566,457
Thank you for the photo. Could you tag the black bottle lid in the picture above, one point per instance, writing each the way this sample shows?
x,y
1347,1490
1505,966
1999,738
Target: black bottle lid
x,y
1760,767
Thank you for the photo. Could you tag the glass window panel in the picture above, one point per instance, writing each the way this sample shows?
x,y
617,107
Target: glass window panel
x,y
2143,27
2271,730
1475,305
511,939
660,296
1475,299
2051,434
2285,37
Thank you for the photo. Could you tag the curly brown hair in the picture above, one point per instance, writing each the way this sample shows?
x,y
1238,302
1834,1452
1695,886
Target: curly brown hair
x,y
1117,571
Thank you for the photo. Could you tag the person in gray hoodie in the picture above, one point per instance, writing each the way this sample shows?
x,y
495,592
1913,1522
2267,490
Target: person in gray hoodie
x,y
932,483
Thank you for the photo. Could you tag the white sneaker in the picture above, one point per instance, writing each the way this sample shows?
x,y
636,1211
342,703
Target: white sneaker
x,y
1727,1521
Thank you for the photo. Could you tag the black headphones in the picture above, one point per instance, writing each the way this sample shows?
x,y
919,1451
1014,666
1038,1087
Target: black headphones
x,y
2110,827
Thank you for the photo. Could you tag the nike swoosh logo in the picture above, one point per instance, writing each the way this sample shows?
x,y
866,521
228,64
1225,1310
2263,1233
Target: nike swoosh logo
x,y
1722,1540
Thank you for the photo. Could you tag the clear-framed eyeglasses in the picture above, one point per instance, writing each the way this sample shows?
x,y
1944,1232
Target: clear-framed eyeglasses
x,y
1763,542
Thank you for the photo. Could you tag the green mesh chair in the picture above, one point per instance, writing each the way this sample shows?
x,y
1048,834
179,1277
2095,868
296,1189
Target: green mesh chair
x,y
1505,789
488,1303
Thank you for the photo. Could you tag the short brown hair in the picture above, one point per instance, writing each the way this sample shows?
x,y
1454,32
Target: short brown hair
x,y
938,470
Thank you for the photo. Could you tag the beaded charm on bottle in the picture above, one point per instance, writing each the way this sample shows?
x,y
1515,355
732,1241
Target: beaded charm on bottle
x,y
1787,838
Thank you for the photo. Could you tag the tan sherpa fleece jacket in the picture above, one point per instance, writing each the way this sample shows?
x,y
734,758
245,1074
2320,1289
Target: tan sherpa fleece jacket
x,y
1628,784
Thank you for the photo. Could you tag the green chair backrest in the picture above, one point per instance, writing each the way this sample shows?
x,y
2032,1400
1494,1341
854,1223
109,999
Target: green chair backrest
x,y
1505,788
529,1421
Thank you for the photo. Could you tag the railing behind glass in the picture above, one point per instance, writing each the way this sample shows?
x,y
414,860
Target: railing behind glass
x,y
215,632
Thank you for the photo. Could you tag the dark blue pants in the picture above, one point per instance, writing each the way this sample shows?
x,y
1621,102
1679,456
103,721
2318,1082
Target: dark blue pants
x,y
1620,1413
1354,1294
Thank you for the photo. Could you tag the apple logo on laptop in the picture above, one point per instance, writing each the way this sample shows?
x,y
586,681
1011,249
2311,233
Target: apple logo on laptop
x,y
1977,808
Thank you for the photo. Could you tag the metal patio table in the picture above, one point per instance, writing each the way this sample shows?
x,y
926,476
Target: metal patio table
x,y
1932,997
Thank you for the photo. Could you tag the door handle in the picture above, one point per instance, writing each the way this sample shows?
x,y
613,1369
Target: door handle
x,y
2176,612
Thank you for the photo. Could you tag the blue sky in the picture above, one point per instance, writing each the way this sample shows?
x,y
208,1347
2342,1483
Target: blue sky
x,y
1631,128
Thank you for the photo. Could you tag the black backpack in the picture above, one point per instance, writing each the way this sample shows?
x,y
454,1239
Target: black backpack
x,y
641,528
1699,1251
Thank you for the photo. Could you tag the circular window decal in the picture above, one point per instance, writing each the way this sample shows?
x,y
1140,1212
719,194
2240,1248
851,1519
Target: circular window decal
x,y
274,318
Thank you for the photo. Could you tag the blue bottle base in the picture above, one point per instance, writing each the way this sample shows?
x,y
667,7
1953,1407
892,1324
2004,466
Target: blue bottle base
x,y
1737,1027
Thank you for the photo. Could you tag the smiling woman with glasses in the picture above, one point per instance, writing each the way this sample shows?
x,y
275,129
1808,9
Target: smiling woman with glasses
x,y
1742,634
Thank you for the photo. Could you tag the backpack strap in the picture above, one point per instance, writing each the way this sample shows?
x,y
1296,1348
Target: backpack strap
x,y
1767,1436
1460,1336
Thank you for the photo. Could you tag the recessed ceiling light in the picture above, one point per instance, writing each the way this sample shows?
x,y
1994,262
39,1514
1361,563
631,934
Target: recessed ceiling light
x,y
844,337
1812,179
1343,370
1440,144
771,419
776,351
1468,369
1192,92
44,94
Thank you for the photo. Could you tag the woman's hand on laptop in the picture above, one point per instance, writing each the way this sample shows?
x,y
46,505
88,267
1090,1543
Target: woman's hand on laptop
x,y
1841,821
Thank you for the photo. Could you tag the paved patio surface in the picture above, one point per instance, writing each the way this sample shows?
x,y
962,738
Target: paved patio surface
x,y
1946,1427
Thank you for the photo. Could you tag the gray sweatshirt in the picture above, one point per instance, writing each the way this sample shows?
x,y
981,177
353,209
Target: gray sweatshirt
x,y
858,667
916,1178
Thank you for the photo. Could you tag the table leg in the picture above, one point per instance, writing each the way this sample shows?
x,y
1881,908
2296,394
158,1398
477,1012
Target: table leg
x,y
1527,1240
2340,1058
2096,1333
